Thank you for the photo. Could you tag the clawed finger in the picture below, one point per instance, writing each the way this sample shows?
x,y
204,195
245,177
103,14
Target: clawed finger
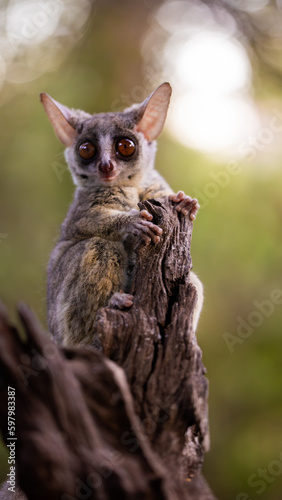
x,y
177,197
152,230
138,230
144,213
156,229
186,204
149,229
194,211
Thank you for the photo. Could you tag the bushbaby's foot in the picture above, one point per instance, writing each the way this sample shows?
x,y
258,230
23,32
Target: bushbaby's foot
x,y
121,300
185,204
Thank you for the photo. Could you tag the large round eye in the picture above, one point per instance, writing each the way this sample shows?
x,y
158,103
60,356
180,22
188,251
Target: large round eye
x,y
86,150
125,147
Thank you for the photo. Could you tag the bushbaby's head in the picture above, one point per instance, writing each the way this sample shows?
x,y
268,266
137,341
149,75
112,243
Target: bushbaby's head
x,y
110,148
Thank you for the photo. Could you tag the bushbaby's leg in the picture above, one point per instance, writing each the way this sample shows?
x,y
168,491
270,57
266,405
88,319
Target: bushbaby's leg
x,y
194,280
121,300
96,272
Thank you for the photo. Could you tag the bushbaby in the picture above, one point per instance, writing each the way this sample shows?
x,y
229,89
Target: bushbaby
x,y
111,159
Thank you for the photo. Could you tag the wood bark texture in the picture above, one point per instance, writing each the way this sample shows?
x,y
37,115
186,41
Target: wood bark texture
x,y
130,422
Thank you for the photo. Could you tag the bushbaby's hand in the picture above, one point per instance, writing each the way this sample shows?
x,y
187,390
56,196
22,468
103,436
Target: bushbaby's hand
x,y
144,228
185,204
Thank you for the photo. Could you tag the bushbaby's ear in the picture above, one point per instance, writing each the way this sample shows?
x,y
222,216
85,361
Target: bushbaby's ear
x,y
155,111
59,117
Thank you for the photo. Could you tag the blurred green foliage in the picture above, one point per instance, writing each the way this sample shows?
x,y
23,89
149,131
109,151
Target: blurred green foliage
x,y
236,248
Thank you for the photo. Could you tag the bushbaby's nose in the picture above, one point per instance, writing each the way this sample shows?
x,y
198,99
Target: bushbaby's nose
x,y
106,167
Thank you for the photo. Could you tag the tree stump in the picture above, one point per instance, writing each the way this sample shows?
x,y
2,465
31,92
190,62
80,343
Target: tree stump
x,y
86,431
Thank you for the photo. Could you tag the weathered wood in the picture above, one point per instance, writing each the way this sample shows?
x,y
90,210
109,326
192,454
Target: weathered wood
x,y
155,344
80,432
73,407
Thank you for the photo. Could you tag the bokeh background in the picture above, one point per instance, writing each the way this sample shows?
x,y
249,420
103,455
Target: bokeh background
x,y
222,143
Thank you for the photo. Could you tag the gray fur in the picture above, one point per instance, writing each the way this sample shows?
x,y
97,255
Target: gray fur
x,y
90,263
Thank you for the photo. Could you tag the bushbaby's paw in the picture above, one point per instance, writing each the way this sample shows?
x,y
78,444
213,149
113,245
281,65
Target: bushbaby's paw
x,y
145,228
185,204
121,300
